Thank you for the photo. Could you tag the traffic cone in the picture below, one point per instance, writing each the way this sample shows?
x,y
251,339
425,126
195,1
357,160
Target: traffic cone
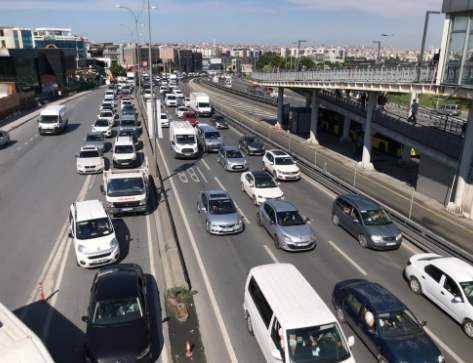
x,y
41,293
189,353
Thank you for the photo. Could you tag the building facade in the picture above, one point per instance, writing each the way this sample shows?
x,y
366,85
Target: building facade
x,y
184,60
16,38
130,54
105,53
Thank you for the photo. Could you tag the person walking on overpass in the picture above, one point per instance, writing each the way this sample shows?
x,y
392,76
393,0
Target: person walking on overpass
x,y
414,109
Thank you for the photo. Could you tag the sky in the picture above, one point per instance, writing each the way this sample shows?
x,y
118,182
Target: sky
x,y
272,22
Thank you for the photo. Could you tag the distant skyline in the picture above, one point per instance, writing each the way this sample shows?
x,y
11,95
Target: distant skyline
x,y
257,22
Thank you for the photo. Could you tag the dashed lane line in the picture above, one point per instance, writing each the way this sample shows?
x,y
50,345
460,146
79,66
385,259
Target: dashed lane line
x,y
271,254
339,250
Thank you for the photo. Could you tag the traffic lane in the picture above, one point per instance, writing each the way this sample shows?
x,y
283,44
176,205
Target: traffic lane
x,y
34,193
383,267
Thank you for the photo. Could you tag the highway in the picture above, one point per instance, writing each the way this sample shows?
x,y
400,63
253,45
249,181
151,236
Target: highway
x,y
38,183
218,265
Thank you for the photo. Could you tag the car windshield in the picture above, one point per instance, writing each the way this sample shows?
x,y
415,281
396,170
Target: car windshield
x,y
164,116
234,154
221,206
89,154
401,323
183,109
265,182
94,138
213,135
219,118
93,228
375,217
112,312
292,218
123,149
468,290
190,115
106,114
128,106
319,344
101,123
253,140
107,107
185,139
127,133
46,119
285,160
170,97
204,104
125,186
128,123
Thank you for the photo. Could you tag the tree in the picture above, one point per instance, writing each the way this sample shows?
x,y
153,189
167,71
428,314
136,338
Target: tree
x,y
117,69
269,59
307,62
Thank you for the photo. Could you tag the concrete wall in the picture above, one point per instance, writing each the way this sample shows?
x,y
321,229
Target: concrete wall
x,y
434,179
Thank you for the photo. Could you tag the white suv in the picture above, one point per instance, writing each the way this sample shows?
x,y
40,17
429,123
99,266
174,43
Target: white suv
x,y
124,153
92,231
448,282
281,165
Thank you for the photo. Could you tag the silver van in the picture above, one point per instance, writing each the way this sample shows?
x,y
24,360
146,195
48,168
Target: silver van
x,y
209,138
451,109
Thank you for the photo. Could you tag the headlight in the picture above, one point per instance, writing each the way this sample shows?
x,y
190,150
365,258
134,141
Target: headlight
x,y
100,164
441,359
260,196
282,196
399,236
312,236
134,157
376,238
81,249
144,352
113,243
115,158
240,222
214,225
110,204
143,202
286,239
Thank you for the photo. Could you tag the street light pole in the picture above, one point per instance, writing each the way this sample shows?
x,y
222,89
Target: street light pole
x,y
424,36
299,50
379,50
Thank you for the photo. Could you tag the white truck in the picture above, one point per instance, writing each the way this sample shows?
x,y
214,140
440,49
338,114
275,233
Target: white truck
x,y
183,140
18,343
130,76
126,191
200,103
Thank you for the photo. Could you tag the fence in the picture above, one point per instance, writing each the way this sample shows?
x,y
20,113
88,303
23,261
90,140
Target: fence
x,y
16,102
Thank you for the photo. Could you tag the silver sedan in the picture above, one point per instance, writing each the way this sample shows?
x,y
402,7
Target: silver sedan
x,y
231,159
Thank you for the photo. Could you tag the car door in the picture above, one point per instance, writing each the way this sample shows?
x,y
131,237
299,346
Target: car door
x,y
370,336
430,280
277,340
356,223
203,204
266,216
272,226
448,291
346,220
351,306
246,183
221,156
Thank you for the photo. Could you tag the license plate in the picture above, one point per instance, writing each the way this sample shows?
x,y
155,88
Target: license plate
x,y
188,154
127,209
301,244
125,163
239,167
227,230
390,243
98,262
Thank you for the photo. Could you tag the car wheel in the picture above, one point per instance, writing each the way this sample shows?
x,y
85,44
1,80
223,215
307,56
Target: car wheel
x,y
258,220
363,241
207,226
415,286
335,219
198,208
264,167
276,242
249,323
341,315
275,175
242,188
255,201
467,327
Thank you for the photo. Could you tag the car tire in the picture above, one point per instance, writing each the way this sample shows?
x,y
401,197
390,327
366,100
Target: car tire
x,y
363,240
249,324
467,328
276,242
255,201
335,219
341,315
207,227
275,175
415,286
258,220
264,167
242,188
198,208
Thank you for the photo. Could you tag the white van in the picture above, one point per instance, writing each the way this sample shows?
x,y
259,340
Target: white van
x,y
170,100
124,153
182,139
290,321
18,343
53,120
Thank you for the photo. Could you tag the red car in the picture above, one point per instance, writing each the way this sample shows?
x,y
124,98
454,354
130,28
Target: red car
x,y
190,117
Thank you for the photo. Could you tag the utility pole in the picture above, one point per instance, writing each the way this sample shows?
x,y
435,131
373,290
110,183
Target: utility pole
x,y
424,36
299,50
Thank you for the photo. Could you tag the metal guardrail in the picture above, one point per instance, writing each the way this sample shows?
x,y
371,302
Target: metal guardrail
x,y
417,234
399,74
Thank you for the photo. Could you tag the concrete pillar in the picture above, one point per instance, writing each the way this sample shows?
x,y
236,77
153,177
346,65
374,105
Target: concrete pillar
x,y
365,163
314,119
405,161
413,97
464,168
345,139
280,105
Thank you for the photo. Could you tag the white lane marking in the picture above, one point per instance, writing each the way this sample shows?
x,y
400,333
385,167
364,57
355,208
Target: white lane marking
x,y
26,143
53,255
409,247
348,258
32,139
202,175
208,168
219,183
319,186
271,254
19,148
92,182
444,346
213,300
11,154
36,135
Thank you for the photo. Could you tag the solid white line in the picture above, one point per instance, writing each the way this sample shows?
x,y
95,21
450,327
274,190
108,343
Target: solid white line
x,y
348,258
32,139
19,148
319,186
271,254
444,346
92,182
208,168
202,175
213,300
219,183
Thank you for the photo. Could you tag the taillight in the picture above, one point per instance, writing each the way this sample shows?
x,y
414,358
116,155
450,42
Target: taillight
x,y
409,262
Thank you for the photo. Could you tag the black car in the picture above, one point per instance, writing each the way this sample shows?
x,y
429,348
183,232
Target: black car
x,y
251,145
386,326
118,323
219,122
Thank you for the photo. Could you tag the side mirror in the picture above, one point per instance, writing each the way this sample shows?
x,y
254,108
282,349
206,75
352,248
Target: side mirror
x,y
173,142
351,341
70,234
271,163
237,207
356,221
307,219
279,183
276,354
77,155
295,162
102,189
424,323
85,319
458,299
203,209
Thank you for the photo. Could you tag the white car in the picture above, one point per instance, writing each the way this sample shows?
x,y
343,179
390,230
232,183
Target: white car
x,y
125,102
89,160
92,232
172,85
448,282
164,120
106,103
281,165
102,125
125,99
162,89
178,93
260,185
180,110
187,101
108,115
147,94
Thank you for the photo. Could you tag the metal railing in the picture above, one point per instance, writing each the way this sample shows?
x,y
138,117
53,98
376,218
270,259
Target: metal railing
x,y
399,74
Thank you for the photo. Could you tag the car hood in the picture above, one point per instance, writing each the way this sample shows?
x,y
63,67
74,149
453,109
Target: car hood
x,y
101,128
269,192
116,343
94,143
386,230
123,156
238,161
417,349
213,141
297,233
233,218
89,161
256,146
97,245
288,168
